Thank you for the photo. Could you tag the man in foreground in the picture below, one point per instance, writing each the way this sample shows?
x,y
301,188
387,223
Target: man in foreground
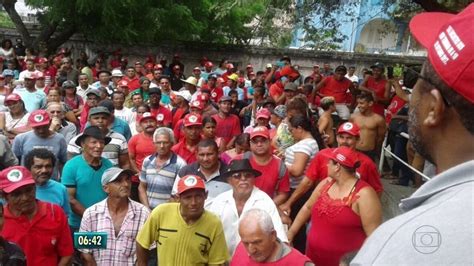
x,y
260,244
185,233
26,221
117,215
436,227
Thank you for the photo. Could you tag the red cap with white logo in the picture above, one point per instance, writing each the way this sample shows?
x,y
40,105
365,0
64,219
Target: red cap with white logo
x,y
349,128
39,118
345,156
192,120
450,44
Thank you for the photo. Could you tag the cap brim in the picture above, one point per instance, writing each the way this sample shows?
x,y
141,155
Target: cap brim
x,y
192,124
44,123
348,132
124,171
425,27
190,188
16,185
81,137
259,135
149,117
229,173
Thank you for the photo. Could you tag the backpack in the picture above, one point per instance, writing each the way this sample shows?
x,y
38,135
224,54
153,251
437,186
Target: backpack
x,y
281,168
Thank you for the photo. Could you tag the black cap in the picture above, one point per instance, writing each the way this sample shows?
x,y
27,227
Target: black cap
x,y
108,104
378,65
238,166
95,132
154,90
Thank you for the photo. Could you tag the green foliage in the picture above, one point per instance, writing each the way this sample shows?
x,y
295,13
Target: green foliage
x,y
5,21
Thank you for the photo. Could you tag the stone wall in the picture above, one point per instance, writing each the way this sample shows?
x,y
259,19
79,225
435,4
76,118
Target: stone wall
x,y
191,53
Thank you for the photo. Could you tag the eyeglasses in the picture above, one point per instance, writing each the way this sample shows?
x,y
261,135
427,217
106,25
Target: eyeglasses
x,y
245,175
427,80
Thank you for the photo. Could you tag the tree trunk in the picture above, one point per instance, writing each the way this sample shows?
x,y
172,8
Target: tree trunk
x,y
9,6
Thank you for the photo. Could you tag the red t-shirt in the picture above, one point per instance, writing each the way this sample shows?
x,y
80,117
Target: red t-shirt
x,y
178,130
45,238
379,88
318,170
181,150
142,146
133,83
216,94
269,181
167,116
294,258
178,114
276,90
227,127
335,88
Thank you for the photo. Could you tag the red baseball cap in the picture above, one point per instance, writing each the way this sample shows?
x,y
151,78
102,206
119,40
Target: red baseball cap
x,y
450,44
260,132
197,68
203,97
15,177
158,66
149,65
13,97
345,156
197,104
123,83
147,115
349,128
192,120
39,75
263,113
190,182
39,118
230,66
208,64
249,66
42,60
240,80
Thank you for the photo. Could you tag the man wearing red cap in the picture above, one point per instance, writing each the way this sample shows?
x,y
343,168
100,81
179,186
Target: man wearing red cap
x,y
39,228
185,233
195,107
186,148
436,227
207,70
274,180
140,146
41,137
347,135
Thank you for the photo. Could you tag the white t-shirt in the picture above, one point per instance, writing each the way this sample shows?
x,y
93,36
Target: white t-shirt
x,y
307,146
125,114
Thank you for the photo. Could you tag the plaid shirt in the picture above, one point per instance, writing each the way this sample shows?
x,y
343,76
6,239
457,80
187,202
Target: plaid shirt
x,y
121,249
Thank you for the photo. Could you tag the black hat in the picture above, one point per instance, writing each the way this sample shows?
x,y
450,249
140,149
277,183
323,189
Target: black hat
x,y
103,71
237,166
378,65
95,132
154,90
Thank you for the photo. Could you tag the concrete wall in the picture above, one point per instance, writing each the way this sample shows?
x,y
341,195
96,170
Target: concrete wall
x,y
191,53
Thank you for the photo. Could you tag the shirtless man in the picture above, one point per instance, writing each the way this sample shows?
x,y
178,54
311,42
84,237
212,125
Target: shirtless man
x,y
372,126
325,122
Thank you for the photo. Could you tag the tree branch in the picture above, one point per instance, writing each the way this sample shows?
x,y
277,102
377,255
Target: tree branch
x,y
46,33
61,38
433,6
9,6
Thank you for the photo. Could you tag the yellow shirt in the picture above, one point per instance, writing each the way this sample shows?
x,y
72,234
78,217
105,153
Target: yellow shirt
x,y
181,244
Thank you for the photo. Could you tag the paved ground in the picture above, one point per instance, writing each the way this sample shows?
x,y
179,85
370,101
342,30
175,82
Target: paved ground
x,y
392,196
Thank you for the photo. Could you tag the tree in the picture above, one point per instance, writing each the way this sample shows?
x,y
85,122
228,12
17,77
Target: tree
x,y
148,21
325,36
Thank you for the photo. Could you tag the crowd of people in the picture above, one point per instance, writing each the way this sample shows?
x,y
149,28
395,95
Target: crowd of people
x,y
230,165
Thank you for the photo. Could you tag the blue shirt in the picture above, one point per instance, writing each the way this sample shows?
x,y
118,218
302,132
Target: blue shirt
x,y
78,174
122,127
54,192
33,100
159,182
25,142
